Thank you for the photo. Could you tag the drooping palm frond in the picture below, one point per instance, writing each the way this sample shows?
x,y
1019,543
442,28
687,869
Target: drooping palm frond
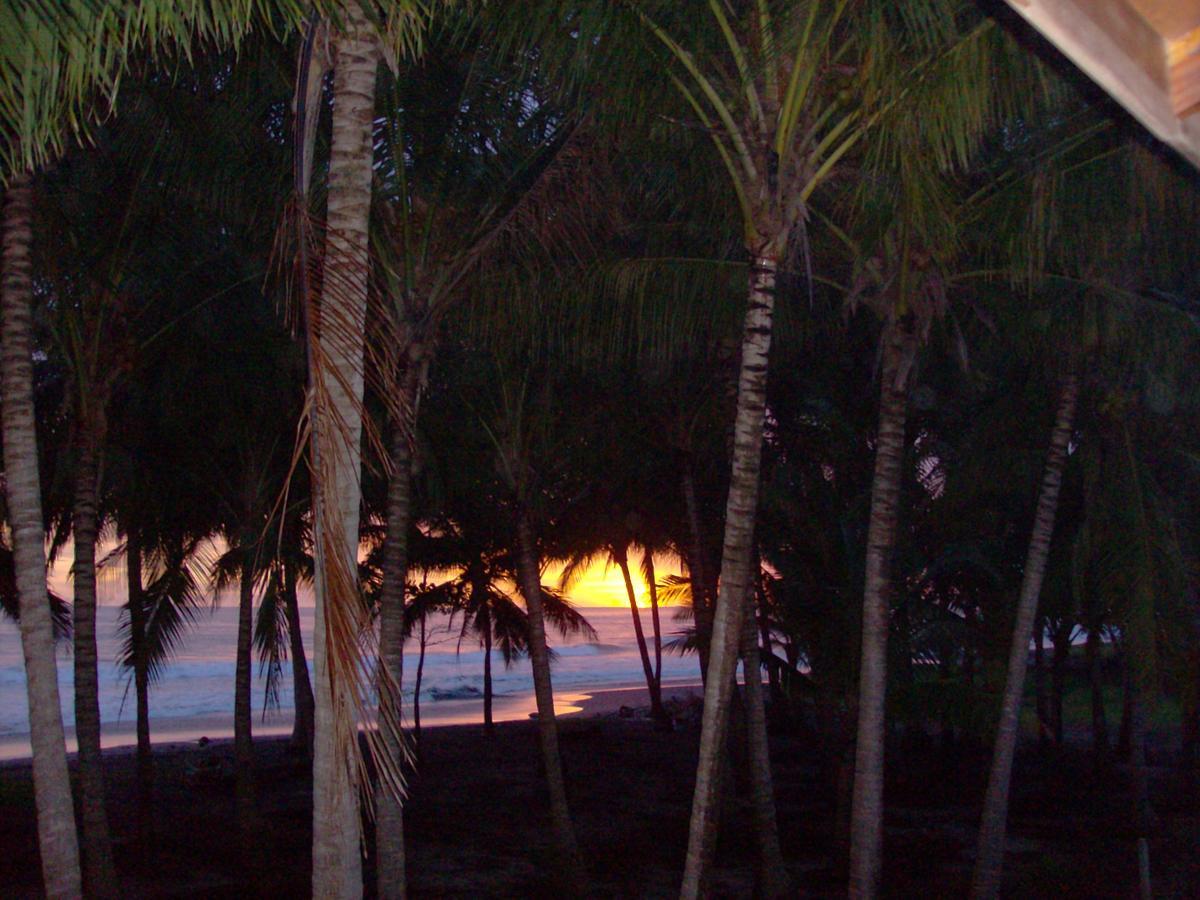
x,y
62,63
172,600
676,590
60,610
566,620
271,633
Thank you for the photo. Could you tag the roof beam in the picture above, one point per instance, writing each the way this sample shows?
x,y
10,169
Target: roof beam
x,y
1144,53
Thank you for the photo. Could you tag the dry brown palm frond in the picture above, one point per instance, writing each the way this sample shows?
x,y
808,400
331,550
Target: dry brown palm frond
x,y
351,641
322,300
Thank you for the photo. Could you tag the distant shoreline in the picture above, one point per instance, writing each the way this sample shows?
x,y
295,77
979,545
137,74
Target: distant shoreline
x,y
174,733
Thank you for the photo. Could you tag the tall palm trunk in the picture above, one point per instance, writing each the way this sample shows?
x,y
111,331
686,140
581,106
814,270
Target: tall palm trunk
x,y
337,864
424,643
529,574
656,707
866,805
1039,682
243,740
489,726
736,561
655,623
773,878
1099,719
99,873
1061,639
773,674
990,855
302,729
391,879
58,843
1125,729
141,671
701,610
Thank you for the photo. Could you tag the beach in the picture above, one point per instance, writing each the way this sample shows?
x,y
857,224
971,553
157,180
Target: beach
x,y
193,697
477,819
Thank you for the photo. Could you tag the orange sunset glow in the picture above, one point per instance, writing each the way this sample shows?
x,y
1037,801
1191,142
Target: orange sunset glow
x,y
600,585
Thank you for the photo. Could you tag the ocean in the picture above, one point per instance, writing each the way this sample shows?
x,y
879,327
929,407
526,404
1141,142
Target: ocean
x,y
194,696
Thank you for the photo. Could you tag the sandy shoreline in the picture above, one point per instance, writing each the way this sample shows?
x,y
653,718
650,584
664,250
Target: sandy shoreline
x,y
174,734
608,701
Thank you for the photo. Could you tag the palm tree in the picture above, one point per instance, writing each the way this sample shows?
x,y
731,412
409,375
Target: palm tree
x,y
786,94
512,405
989,856
1114,247
52,788
616,551
335,336
165,595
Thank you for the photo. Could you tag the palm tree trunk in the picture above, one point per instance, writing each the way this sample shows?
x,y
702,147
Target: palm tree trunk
x,y
736,562
417,683
773,878
1039,682
701,610
141,671
58,844
391,879
990,855
528,571
1058,678
489,726
1099,720
337,863
141,686
302,730
773,675
866,806
655,623
99,872
243,741
656,707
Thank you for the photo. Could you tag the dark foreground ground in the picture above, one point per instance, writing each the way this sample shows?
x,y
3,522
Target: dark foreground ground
x,y
477,823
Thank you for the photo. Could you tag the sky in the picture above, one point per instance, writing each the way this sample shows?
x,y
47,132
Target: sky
x,y
600,585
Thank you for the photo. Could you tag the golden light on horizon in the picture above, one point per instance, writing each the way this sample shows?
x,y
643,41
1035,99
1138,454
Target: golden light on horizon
x,y
604,585
601,584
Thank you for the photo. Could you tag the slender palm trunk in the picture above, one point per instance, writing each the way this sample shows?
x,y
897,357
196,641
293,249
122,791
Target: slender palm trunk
x,y
391,879
1039,682
1140,687
773,675
58,843
773,878
243,740
656,707
1099,719
1190,703
138,640
302,729
1061,639
141,671
489,726
417,682
337,863
736,564
1144,818
866,805
99,872
529,573
990,855
701,610
655,623
1125,730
